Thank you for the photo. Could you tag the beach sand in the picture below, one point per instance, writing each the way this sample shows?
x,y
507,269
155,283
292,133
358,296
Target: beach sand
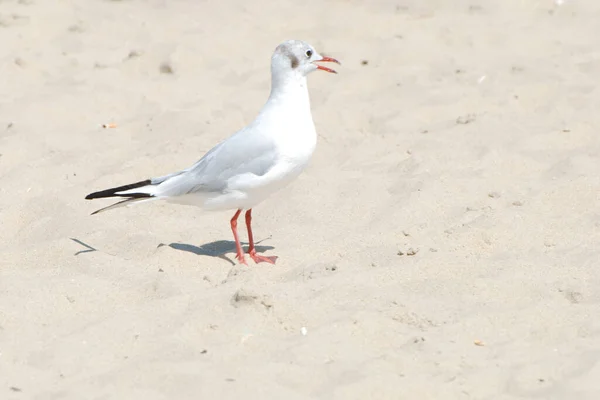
x,y
444,242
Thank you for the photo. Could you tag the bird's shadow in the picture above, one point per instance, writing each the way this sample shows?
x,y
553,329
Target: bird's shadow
x,y
217,249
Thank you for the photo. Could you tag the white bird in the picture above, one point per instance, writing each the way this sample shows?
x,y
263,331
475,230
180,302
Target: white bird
x,y
254,162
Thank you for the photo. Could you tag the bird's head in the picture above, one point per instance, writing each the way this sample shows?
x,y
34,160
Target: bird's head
x,y
295,57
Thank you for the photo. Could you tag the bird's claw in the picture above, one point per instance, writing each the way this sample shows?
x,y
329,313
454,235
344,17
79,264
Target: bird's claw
x,y
258,258
240,257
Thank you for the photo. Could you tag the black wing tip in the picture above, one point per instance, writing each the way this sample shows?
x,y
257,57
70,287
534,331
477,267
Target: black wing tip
x,y
111,192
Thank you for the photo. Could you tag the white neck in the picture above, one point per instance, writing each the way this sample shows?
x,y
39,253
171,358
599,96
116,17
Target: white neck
x,y
287,113
290,91
283,86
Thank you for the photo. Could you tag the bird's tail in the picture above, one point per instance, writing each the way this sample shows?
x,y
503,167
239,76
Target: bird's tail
x,y
134,193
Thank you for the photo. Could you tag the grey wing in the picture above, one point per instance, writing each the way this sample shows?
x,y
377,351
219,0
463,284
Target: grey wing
x,y
243,153
161,179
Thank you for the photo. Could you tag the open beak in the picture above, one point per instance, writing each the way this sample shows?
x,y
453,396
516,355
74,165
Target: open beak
x,y
327,59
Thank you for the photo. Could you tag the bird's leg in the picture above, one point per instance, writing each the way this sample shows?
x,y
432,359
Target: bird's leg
x,y
238,245
251,249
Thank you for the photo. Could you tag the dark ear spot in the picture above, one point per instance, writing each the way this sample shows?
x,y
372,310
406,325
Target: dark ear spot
x,y
294,60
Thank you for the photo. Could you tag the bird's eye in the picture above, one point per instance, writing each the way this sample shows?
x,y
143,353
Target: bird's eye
x,y
308,53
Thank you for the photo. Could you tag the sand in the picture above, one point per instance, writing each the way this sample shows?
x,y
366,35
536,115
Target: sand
x,y
443,244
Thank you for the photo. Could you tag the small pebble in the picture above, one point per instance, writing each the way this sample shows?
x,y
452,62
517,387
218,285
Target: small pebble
x,y
494,195
465,119
166,69
133,54
304,331
412,252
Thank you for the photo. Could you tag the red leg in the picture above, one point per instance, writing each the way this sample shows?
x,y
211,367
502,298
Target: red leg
x,y
238,245
251,249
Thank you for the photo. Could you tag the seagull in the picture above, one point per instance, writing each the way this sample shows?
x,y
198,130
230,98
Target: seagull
x,y
253,163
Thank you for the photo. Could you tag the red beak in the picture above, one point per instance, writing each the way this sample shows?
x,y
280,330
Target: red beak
x,y
327,59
